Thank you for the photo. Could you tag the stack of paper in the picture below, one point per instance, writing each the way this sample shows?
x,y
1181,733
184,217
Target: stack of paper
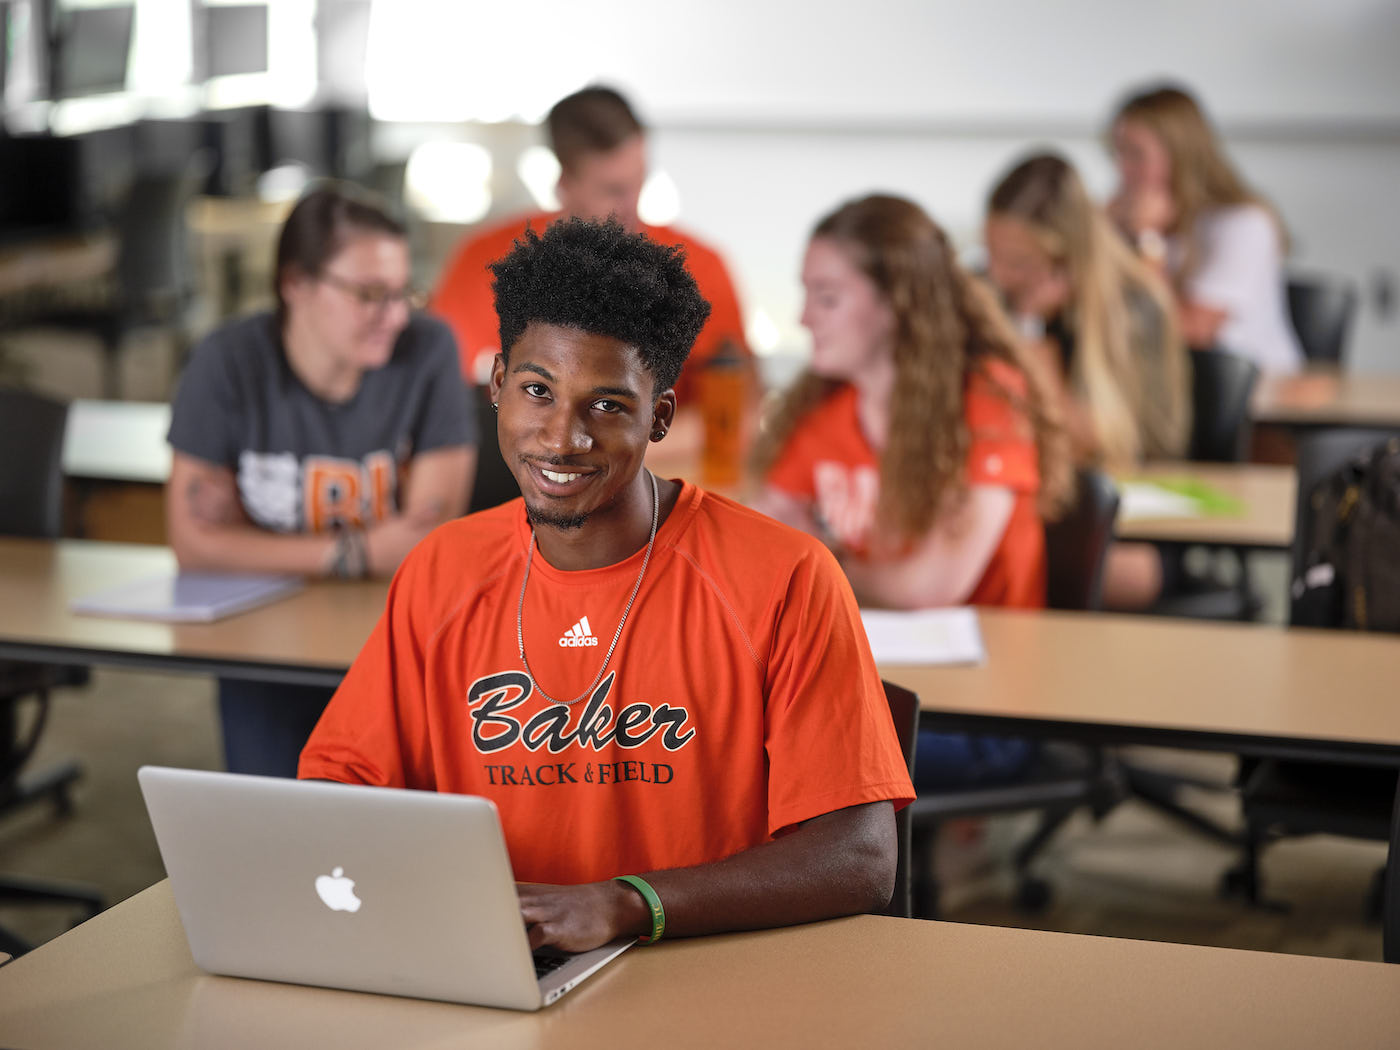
x,y
1138,500
928,636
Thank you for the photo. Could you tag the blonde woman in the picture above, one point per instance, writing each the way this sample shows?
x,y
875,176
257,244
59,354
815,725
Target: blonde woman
x,y
1102,324
919,444
1187,210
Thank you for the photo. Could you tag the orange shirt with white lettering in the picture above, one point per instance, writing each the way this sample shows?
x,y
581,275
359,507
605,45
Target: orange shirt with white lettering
x,y
463,297
742,698
829,463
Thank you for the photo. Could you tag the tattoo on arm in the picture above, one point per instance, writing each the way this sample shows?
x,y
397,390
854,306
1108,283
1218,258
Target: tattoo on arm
x,y
207,504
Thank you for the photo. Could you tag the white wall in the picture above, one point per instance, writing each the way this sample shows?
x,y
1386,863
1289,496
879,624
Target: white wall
x,y
767,113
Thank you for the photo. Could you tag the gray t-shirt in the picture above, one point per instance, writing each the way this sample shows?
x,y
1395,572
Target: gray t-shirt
x,y
304,464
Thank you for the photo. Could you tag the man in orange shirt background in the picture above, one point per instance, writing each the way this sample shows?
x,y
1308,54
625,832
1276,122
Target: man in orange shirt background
x,y
601,148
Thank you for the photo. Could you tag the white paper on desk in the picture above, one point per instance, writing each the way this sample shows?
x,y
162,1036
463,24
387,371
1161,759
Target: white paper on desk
x,y
928,636
188,597
1142,499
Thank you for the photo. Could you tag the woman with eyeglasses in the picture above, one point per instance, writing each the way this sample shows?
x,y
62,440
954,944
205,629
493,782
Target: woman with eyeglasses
x,y
322,439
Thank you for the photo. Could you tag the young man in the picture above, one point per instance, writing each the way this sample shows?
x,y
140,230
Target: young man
x,y
601,147
648,680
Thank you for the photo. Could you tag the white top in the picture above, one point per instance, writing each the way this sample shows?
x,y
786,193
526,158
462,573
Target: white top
x,y
1240,271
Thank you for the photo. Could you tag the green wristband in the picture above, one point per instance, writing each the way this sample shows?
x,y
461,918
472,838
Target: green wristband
x,y
658,913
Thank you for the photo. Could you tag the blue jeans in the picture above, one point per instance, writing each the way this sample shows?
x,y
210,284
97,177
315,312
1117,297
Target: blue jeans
x,y
265,724
960,760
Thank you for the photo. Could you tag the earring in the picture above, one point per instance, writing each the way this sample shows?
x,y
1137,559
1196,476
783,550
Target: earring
x,y
658,434
495,406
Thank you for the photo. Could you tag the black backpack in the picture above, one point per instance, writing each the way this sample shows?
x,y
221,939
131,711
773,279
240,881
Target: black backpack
x,y
1350,570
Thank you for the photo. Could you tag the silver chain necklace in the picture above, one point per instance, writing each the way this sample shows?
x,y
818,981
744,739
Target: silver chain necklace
x,y
520,606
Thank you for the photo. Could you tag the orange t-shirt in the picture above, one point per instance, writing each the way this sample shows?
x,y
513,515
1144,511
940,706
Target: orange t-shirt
x,y
829,463
463,296
742,698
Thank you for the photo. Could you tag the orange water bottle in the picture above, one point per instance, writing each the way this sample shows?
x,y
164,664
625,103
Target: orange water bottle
x,y
723,383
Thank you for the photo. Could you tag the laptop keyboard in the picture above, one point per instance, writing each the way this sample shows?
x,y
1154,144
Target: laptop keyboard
x,y
547,962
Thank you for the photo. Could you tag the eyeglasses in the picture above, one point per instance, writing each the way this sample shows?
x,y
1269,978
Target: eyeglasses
x,y
375,296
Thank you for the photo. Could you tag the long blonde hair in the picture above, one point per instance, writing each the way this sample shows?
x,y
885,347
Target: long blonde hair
x,y
1202,177
1130,364
946,324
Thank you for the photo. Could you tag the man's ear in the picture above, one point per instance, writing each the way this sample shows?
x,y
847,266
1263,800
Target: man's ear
x,y
498,378
564,192
663,414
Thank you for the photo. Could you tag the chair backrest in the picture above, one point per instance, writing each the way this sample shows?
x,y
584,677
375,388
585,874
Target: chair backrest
x,y
1321,454
31,465
494,483
904,710
1221,386
1321,309
1077,544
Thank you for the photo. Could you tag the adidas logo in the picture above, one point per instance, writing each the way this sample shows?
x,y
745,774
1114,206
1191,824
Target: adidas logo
x,y
578,636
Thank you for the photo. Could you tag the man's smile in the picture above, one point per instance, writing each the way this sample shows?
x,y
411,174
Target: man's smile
x,y
559,481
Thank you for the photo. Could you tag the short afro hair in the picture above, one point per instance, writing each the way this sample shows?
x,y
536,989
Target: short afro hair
x,y
598,278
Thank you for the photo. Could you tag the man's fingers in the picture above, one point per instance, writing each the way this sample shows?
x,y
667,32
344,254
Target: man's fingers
x,y
539,935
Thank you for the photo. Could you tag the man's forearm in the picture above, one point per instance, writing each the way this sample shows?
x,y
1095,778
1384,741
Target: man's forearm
x,y
842,863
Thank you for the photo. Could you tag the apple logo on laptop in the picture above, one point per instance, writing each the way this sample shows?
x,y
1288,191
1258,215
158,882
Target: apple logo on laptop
x,y
337,891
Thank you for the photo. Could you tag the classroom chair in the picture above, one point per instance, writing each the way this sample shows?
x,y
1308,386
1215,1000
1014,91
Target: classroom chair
x,y
151,286
1061,777
31,477
1289,799
1221,387
904,710
1321,309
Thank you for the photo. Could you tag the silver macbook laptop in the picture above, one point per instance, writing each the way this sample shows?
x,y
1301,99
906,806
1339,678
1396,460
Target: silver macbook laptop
x,y
370,889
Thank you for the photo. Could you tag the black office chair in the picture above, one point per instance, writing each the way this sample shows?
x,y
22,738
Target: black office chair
x,y
1322,309
1289,799
904,710
152,285
31,480
1076,546
1061,777
1221,387
494,483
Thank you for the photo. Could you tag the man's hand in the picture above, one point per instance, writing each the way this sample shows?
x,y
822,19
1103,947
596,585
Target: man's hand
x,y
577,918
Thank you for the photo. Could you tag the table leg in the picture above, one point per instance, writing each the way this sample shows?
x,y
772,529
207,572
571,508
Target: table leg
x,y
1390,934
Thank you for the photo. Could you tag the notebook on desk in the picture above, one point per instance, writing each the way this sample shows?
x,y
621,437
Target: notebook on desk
x,y
369,889
924,636
187,597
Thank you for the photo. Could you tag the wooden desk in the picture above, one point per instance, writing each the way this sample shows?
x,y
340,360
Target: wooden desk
x,y
309,638
1266,493
125,979
1319,695
1325,398
1313,695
